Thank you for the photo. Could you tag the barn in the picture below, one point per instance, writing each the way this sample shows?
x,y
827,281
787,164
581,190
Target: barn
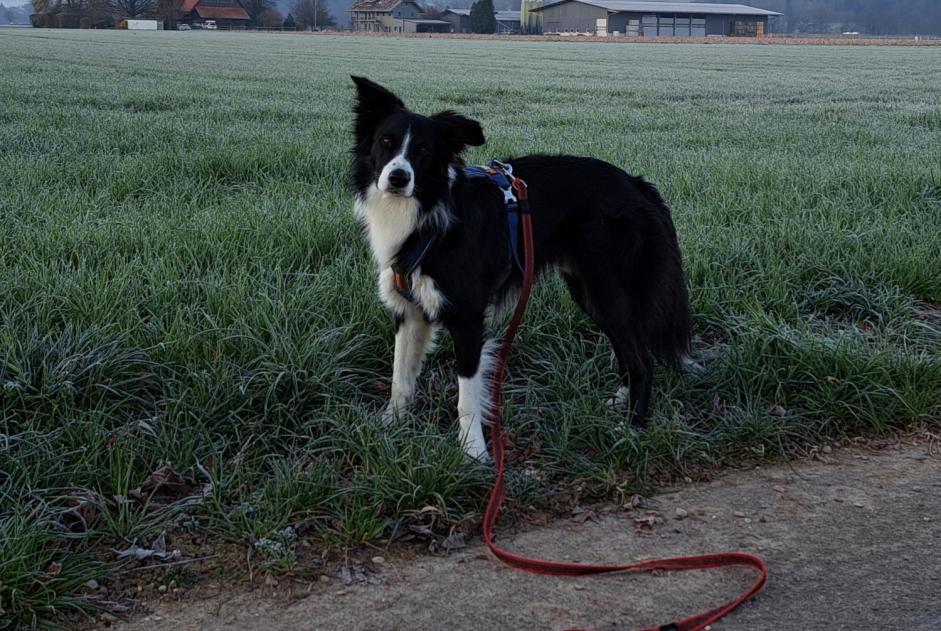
x,y
226,13
654,19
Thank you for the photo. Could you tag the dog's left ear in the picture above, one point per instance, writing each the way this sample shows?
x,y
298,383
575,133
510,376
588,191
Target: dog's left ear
x,y
460,131
373,103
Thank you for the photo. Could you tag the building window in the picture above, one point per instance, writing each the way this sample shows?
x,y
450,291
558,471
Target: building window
x,y
682,27
666,27
650,25
698,28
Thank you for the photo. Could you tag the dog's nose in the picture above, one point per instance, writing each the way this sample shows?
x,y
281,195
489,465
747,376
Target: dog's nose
x,y
399,178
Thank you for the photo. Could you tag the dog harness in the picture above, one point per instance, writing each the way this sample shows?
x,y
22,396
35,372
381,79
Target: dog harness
x,y
419,244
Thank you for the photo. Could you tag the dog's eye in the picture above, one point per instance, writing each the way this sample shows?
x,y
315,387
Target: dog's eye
x,y
386,142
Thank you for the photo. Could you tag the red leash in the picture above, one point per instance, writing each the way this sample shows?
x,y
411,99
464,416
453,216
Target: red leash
x,y
695,622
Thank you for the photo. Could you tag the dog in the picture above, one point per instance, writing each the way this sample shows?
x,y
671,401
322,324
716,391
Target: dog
x,y
609,234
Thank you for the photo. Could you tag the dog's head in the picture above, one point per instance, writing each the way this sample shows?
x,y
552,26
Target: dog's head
x,y
402,153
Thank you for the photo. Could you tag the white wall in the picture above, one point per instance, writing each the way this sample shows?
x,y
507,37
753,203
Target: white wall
x,y
142,25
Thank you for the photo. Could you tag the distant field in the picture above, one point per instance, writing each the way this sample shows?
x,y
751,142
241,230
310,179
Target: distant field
x,y
181,281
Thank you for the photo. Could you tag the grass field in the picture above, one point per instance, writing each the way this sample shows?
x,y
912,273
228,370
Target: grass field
x,y
181,281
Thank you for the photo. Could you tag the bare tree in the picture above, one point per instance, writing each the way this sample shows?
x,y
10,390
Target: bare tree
x,y
169,12
270,18
434,12
255,9
134,8
100,12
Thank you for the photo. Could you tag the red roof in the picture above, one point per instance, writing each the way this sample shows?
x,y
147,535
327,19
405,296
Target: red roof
x,y
221,13
188,5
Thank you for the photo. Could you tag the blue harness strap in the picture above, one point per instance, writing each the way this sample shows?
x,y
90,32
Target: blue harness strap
x,y
495,172
417,246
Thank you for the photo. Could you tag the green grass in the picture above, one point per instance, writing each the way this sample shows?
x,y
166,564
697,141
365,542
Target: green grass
x,y
181,280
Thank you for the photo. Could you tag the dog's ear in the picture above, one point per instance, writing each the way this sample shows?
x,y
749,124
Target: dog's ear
x,y
460,131
373,103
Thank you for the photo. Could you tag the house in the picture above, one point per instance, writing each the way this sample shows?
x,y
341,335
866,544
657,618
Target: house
x,y
226,13
393,16
459,19
508,22
654,19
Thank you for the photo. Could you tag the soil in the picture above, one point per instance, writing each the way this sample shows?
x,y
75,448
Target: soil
x,y
852,538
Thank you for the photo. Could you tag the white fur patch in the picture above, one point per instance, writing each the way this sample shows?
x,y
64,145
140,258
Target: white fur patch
x,y
440,217
474,405
389,220
413,341
399,162
424,290
621,400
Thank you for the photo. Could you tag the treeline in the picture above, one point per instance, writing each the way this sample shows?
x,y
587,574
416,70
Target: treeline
x,y
109,13
872,17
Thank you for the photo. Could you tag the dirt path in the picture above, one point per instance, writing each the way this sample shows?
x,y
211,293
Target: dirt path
x,y
850,544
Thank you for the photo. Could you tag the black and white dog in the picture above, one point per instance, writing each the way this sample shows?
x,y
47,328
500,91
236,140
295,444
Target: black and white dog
x,y
609,234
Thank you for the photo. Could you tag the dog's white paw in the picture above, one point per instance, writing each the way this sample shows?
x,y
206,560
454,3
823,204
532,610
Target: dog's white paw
x,y
475,446
620,401
389,414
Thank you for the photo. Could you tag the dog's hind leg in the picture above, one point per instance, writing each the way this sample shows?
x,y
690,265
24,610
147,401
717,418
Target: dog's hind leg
x,y
473,370
413,338
608,308
639,386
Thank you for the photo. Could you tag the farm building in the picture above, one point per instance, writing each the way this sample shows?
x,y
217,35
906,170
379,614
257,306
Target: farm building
x,y
654,19
508,22
226,13
393,16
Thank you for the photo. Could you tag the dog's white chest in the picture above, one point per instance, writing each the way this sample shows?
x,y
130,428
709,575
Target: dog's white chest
x,y
424,292
389,220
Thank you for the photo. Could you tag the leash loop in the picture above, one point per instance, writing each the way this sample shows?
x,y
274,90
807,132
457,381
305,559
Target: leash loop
x,y
696,622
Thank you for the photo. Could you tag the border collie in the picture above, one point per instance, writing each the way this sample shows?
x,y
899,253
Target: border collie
x,y
608,233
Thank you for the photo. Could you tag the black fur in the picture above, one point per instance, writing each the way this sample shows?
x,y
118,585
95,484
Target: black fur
x,y
609,233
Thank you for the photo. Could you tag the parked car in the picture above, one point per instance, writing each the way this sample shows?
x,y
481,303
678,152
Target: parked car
x,y
210,25
184,27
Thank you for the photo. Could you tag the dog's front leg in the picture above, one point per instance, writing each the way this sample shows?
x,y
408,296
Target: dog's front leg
x,y
413,336
473,370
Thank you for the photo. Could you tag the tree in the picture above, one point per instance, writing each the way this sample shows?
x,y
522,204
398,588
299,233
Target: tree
x,y
100,12
288,21
433,12
482,19
312,14
169,12
270,18
134,8
255,8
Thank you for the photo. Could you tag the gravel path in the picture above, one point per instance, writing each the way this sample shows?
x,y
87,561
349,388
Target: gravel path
x,y
852,543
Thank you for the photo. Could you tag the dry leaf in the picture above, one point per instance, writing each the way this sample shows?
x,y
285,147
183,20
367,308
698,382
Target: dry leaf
x,y
648,521
163,478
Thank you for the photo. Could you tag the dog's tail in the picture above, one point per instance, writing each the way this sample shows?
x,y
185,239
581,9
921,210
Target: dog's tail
x,y
669,326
